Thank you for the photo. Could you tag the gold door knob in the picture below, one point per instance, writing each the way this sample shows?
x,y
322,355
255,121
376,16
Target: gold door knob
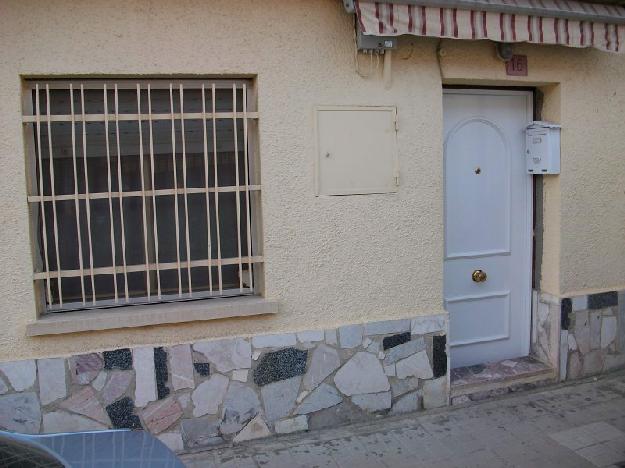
x,y
479,276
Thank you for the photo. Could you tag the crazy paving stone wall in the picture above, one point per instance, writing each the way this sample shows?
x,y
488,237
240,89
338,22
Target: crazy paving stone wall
x,y
214,392
592,336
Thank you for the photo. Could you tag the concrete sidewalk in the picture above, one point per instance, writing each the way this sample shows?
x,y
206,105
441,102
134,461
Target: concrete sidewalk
x,y
577,425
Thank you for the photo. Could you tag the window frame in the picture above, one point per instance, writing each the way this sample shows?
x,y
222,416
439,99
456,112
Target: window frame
x,y
252,211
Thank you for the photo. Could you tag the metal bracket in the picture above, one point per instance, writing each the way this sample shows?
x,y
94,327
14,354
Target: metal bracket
x,y
377,44
366,42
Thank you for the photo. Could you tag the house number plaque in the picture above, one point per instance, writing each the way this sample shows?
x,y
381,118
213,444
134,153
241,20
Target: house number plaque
x,y
517,66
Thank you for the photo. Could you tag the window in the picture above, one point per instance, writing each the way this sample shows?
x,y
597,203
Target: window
x,y
142,192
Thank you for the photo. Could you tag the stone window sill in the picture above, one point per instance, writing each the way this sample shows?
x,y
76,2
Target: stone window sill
x,y
153,314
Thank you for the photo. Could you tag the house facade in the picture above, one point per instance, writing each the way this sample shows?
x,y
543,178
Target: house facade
x,y
232,219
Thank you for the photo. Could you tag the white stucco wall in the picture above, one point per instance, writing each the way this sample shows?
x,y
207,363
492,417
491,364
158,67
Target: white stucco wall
x,y
329,261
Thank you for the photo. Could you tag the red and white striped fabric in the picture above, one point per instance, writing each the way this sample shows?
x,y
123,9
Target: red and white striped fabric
x,y
389,19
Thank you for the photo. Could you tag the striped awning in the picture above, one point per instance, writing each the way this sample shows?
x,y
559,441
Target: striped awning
x,y
564,22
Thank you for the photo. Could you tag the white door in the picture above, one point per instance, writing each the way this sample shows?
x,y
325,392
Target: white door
x,y
488,215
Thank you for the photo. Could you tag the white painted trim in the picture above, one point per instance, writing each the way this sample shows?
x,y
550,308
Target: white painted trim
x,y
452,132
489,339
485,253
477,297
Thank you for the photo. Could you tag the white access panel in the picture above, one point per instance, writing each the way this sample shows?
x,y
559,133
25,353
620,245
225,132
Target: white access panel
x,y
356,150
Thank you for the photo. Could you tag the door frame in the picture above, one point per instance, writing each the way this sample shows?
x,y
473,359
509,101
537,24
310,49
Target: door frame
x,y
528,214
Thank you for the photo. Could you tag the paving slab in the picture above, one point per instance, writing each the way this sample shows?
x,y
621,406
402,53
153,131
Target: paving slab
x,y
579,424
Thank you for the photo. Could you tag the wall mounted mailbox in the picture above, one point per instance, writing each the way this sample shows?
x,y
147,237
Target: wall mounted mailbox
x,y
542,149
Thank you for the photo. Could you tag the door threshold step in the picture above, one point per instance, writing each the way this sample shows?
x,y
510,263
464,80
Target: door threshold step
x,y
482,381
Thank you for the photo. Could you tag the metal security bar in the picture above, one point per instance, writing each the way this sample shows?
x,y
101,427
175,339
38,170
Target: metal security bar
x,y
129,204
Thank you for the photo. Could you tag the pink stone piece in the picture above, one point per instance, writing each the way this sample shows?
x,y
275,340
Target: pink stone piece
x,y
496,371
161,414
85,402
85,368
118,383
